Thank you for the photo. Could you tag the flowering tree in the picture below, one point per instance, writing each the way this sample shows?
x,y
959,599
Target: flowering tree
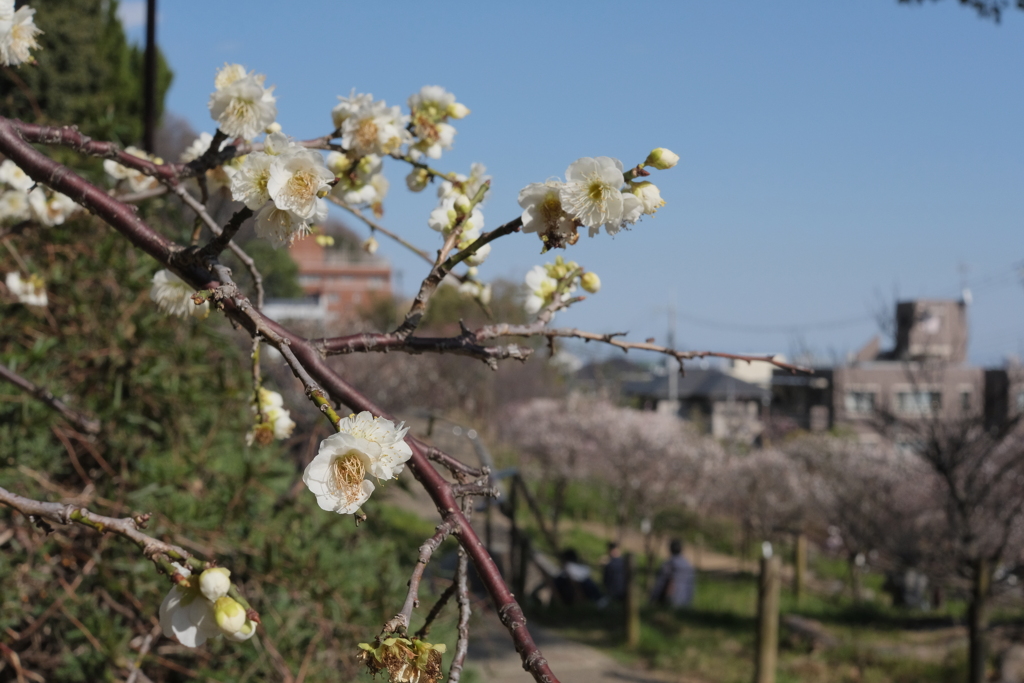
x,y
283,187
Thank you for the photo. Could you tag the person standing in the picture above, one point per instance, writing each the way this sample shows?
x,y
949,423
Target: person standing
x,y
614,574
675,581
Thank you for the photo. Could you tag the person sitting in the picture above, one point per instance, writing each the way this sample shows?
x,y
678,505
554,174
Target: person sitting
x,y
674,583
574,580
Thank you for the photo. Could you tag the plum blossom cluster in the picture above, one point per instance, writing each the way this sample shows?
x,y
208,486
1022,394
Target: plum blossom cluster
x,y
31,291
431,108
285,185
198,608
364,447
17,33
241,105
174,296
556,282
272,420
360,183
22,200
137,180
596,193
220,176
406,660
459,200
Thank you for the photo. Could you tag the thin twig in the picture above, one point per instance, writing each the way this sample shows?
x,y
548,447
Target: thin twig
x,y
400,622
381,229
84,422
435,611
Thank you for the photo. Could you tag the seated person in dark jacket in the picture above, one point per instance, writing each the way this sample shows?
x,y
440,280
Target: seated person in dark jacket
x,y
574,580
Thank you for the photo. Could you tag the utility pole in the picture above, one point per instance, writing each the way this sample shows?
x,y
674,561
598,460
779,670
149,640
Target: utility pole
x,y
149,81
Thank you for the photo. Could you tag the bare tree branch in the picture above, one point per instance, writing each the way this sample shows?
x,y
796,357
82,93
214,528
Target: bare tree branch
x,y
87,424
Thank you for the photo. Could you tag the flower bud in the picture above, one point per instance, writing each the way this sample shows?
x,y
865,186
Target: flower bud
x,y
590,282
370,245
463,205
247,631
416,181
662,159
649,196
324,240
275,127
215,583
479,256
457,110
338,163
229,614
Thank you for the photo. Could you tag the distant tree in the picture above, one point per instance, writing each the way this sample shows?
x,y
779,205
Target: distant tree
x,y
986,9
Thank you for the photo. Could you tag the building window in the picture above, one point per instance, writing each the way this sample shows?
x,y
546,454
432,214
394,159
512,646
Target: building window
x,y
309,280
918,402
965,401
860,402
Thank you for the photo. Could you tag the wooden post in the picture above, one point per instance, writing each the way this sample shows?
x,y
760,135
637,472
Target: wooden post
x,y
519,588
767,644
632,603
799,565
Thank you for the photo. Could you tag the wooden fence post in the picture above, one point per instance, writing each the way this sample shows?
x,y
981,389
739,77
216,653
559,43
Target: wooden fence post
x,y
767,648
632,603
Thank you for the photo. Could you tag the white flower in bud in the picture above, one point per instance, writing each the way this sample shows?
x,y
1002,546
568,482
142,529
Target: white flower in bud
x,y
186,615
247,631
457,110
360,185
592,193
467,186
662,159
649,196
364,446
14,206
417,179
347,106
370,245
442,219
590,282
17,35
277,144
632,209
31,292
229,614
173,296
375,129
338,163
275,127
241,105
432,100
477,290
12,176
462,204
214,583
479,256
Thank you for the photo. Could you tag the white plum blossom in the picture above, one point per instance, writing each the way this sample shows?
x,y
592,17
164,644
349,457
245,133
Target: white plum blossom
x,y
241,105
51,209
232,620
137,180
13,176
216,177
431,107
347,106
17,34
593,194
14,206
662,159
649,196
444,218
281,227
31,292
544,215
370,245
186,614
374,128
417,179
274,422
249,183
173,296
365,446
465,186
214,583
542,288
359,184
590,282
297,180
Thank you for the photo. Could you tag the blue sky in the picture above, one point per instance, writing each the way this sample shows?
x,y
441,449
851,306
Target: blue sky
x,y
834,154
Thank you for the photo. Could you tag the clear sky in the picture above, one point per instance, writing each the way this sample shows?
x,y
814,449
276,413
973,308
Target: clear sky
x,y
835,155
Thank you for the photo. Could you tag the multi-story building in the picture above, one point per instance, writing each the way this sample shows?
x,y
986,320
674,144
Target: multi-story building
x,y
339,280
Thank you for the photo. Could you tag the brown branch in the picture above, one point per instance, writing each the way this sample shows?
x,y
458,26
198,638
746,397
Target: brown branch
x,y
435,611
462,588
123,219
454,465
400,622
84,422
462,345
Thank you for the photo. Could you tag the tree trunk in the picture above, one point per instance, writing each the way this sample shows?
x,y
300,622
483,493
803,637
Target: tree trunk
x,y
799,565
977,623
767,642
632,607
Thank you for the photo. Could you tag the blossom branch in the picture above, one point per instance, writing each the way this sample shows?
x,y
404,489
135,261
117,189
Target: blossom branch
x,y
462,588
87,424
462,345
122,218
400,622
